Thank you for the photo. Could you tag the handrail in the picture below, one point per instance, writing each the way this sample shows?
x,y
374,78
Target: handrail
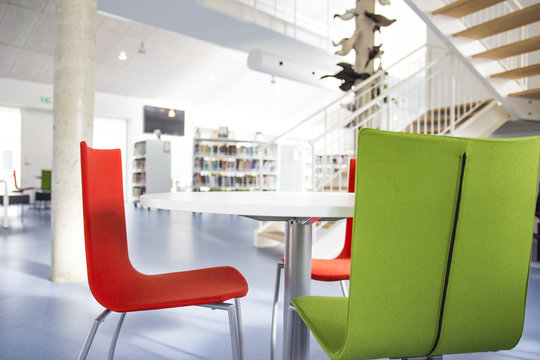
x,y
358,86
413,52
364,84
384,92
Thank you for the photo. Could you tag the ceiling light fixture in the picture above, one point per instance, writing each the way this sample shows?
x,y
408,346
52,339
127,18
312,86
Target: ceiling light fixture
x,y
142,49
122,56
172,113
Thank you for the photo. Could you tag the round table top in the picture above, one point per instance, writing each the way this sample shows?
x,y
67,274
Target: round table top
x,y
257,204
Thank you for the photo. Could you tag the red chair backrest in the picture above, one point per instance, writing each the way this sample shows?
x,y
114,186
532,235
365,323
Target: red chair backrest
x,y
346,252
109,269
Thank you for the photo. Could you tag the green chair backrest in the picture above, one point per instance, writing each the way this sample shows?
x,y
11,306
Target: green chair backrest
x,y
46,179
441,244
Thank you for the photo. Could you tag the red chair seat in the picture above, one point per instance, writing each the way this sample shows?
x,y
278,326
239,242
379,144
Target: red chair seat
x,y
185,288
330,270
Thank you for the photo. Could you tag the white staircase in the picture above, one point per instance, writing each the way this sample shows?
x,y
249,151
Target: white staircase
x,y
493,38
420,93
469,87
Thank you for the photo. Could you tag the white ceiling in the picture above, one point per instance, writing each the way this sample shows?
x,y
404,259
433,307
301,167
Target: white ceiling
x,y
176,68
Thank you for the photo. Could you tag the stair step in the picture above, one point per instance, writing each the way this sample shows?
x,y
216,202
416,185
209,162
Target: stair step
x,y
529,94
272,235
517,48
462,8
504,23
518,73
425,124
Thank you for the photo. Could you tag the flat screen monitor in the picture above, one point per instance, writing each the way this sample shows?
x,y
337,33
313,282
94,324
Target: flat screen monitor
x,y
168,121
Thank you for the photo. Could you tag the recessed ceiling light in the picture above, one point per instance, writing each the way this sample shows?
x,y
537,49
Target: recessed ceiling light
x,y
172,113
122,56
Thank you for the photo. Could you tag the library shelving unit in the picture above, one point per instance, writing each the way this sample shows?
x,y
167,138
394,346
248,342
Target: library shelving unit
x,y
233,165
331,171
151,168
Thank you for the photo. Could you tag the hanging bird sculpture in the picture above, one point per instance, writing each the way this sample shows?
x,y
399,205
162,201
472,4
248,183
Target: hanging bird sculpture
x,y
380,20
347,44
349,14
374,52
347,76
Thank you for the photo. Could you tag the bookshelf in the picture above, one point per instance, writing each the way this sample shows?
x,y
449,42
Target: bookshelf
x,y
151,168
233,165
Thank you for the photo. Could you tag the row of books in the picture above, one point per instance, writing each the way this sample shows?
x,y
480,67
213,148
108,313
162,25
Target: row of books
x,y
138,191
225,165
139,178
138,164
224,181
232,150
269,165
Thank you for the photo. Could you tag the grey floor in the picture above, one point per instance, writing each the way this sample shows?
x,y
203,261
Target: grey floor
x,y
40,319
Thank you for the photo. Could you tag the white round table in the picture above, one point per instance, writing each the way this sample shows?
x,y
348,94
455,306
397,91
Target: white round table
x,y
300,210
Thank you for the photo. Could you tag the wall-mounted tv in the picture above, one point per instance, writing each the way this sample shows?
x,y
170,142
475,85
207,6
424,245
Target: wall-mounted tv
x,y
168,121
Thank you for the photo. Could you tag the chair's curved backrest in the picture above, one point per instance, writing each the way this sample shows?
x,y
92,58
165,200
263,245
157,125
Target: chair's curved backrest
x,y
107,259
441,244
346,251
46,176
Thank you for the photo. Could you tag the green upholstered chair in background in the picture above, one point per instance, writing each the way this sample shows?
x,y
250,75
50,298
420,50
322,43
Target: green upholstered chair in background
x,y
43,195
440,251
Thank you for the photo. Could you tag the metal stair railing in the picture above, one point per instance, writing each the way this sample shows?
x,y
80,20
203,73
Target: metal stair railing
x,y
426,92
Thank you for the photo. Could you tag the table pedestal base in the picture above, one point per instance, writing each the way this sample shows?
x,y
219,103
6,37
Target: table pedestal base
x,y
297,283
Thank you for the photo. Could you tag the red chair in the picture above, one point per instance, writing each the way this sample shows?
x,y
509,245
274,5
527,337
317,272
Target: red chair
x,y
21,189
337,269
116,284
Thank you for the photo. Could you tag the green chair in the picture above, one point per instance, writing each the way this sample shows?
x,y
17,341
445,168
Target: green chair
x,y
43,195
440,251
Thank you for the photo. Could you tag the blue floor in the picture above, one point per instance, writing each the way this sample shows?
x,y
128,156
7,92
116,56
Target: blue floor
x,y
40,319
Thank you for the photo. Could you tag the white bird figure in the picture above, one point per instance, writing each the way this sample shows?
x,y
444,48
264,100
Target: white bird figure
x,y
384,2
349,14
347,44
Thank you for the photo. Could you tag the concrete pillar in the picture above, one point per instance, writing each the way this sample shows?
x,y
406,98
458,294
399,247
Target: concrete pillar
x,y
74,85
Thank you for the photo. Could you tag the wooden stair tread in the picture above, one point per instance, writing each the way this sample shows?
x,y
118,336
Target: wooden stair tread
x,y
461,8
529,94
425,123
504,23
272,235
517,48
518,73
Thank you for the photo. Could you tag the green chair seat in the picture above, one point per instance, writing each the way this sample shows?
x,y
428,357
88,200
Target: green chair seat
x,y
328,320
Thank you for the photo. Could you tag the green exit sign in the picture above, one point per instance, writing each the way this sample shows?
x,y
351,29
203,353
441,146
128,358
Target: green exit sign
x,y
46,99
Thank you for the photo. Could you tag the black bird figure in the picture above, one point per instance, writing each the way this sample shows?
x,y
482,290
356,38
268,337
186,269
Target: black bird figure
x,y
380,20
374,52
347,76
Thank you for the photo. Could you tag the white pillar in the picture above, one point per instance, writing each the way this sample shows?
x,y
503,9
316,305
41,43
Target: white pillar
x,y
74,67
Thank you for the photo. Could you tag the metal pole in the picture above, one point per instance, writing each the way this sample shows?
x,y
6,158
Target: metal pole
x,y
297,283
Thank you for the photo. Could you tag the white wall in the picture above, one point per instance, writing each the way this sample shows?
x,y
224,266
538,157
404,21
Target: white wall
x,y
36,145
37,125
